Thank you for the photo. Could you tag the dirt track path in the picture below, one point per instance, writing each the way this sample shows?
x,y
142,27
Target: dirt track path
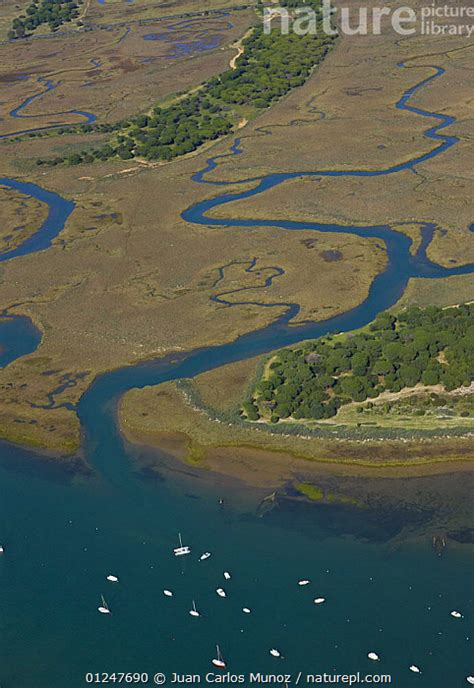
x,y
233,61
240,49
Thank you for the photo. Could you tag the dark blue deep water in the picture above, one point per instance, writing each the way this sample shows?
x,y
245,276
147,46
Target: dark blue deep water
x,y
386,589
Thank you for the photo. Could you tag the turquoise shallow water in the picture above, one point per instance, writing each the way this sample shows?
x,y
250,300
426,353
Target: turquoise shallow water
x,y
386,589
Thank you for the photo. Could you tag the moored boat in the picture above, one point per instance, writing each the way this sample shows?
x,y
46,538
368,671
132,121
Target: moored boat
x,y
104,607
182,549
193,611
218,661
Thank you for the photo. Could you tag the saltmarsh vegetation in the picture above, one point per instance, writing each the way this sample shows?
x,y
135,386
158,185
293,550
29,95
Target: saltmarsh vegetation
x,y
432,346
316,494
313,492
55,13
271,65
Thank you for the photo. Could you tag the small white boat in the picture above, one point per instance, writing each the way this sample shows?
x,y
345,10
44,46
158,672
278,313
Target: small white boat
x,y
204,556
319,600
470,679
304,582
112,579
167,593
275,653
104,607
182,549
221,592
227,575
193,611
456,615
373,656
415,669
246,610
218,662
2,549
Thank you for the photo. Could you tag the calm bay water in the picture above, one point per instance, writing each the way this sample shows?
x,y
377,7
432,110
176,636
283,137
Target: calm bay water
x,y
63,534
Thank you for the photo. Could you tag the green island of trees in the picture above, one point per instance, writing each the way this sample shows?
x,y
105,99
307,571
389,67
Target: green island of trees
x,y
55,13
430,346
271,65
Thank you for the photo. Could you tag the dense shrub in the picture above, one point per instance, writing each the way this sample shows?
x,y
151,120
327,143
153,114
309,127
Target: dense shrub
x,y
431,346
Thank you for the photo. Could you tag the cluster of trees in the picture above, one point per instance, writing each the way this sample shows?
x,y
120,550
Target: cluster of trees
x,y
270,66
163,135
87,155
52,12
431,346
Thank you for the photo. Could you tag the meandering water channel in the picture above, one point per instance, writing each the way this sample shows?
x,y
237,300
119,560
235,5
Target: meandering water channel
x,y
63,536
182,36
17,113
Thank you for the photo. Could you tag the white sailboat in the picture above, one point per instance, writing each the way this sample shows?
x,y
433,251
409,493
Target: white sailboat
x,y
193,611
182,549
246,610
167,593
218,662
319,600
104,607
204,556
2,549
112,579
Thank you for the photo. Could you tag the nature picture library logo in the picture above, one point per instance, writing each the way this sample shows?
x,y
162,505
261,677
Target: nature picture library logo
x,y
435,19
